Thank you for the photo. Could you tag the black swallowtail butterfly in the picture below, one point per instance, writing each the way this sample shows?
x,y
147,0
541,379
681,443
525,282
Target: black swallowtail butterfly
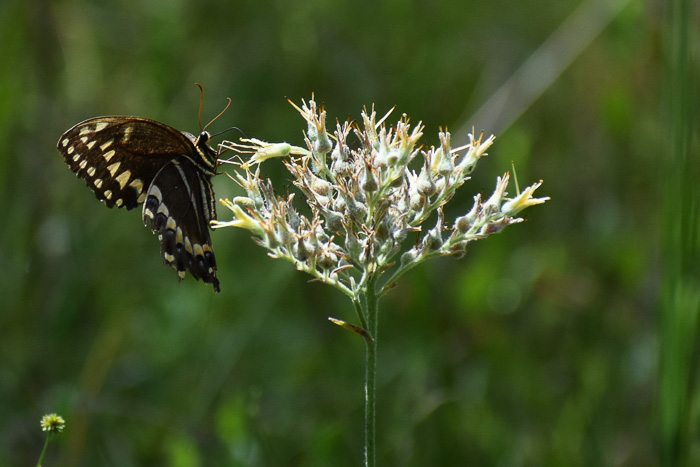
x,y
132,161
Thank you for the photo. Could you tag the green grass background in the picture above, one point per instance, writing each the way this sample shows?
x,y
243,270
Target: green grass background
x,y
539,348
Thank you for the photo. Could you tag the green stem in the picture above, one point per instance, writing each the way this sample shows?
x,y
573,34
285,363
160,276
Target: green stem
x,y
43,451
361,312
679,316
371,299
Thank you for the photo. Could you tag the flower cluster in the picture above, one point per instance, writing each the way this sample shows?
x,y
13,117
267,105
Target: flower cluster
x,y
367,202
52,423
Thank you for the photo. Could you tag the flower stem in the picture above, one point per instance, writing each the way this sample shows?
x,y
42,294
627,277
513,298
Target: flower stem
x,y
371,372
43,451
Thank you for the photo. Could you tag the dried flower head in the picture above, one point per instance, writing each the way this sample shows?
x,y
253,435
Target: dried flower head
x,y
365,199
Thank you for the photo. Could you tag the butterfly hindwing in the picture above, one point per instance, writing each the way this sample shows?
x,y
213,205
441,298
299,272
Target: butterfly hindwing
x,y
132,161
179,205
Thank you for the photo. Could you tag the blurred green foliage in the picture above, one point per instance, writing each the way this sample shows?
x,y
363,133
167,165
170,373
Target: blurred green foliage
x,y
537,349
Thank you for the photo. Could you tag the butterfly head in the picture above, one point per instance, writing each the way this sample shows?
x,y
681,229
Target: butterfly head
x,y
208,157
202,139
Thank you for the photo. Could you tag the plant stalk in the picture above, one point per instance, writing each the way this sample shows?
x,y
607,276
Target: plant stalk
x,y
43,450
371,373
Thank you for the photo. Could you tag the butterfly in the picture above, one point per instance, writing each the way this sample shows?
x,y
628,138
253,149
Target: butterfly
x,y
132,161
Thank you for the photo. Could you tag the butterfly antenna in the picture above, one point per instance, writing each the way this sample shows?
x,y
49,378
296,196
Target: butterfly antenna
x,y
201,100
229,129
220,114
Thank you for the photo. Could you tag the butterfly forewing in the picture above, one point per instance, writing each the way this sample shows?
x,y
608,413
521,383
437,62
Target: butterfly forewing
x,y
127,161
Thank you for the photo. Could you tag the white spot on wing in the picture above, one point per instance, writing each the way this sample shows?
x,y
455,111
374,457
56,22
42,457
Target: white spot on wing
x,y
108,155
106,144
65,142
98,183
91,144
91,171
108,194
101,126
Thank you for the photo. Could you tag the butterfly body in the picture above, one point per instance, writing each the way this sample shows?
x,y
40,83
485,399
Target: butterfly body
x,y
131,161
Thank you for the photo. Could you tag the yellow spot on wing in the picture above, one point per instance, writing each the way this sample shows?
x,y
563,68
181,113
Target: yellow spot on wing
x,y
163,209
127,133
123,178
198,250
155,192
114,167
137,185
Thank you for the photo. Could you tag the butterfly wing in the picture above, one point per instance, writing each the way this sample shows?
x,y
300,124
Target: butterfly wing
x,y
119,156
179,204
129,161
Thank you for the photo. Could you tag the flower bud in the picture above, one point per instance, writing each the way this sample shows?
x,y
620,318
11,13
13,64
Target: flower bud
x,y
334,220
244,202
367,180
425,184
463,224
409,257
417,200
320,186
327,260
300,251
